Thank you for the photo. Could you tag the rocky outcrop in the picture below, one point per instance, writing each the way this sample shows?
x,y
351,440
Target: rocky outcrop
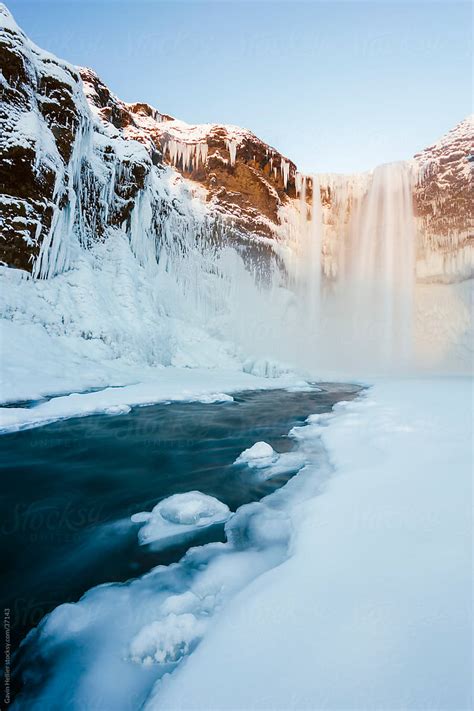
x,y
39,119
443,203
245,179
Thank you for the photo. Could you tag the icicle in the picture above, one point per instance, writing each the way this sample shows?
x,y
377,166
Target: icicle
x,y
231,145
187,156
285,171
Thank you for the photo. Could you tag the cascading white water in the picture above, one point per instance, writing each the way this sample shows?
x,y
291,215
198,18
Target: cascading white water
x,y
382,265
360,245
305,267
312,259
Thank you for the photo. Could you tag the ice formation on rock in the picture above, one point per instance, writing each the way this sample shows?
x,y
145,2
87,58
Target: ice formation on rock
x,y
443,206
187,156
285,171
231,145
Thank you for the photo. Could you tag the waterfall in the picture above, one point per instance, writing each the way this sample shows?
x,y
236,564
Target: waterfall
x,y
306,268
356,268
382,264
312,257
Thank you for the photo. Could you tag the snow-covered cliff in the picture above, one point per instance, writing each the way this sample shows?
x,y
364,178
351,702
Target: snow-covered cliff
x,y
148,239
76,161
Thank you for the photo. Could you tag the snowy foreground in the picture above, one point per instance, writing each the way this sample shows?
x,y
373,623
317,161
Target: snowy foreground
x,y
349,588
372,608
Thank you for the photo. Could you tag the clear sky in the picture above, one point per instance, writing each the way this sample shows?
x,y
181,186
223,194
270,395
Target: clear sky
x,y
336,86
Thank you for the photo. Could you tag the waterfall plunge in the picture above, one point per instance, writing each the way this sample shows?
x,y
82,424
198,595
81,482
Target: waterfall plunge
x,y
363,316
382,265
344,301
307,268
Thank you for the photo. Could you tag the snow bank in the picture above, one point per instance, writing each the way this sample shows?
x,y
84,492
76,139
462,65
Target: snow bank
x,y
179,515
167,640
349,591
261,454
373,608
154,385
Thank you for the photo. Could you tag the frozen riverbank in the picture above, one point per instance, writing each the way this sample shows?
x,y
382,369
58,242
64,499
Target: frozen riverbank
x,y
373,608
351,591
153,385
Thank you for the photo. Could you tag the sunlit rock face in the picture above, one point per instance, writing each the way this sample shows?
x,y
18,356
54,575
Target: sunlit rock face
x,y
443,204
245,180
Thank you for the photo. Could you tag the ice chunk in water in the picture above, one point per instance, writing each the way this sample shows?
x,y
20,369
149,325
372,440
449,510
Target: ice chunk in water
x,y
261,454
180,514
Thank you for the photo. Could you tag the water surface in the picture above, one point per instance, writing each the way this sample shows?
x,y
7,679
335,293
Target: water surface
x,y
69,488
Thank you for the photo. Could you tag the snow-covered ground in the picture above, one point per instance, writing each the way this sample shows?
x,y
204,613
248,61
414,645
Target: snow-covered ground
x,y
372,610
349,588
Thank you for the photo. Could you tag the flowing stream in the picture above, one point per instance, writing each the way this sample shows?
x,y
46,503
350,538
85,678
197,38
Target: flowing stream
x,y
70,488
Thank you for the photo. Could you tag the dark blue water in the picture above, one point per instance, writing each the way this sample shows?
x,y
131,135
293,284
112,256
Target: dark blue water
x,y
69,488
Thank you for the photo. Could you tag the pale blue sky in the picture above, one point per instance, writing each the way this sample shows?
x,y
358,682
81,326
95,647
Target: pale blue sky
x,y
336,86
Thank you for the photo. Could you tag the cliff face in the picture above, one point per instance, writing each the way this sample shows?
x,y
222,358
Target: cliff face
x,y
245,179
76,161
443,204
40,114
67,176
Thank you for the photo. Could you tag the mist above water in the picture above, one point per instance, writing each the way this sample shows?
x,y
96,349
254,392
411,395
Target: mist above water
x,y
342,293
